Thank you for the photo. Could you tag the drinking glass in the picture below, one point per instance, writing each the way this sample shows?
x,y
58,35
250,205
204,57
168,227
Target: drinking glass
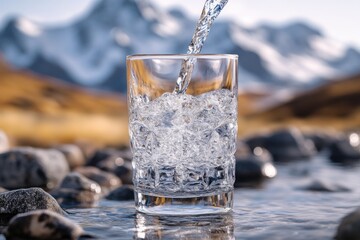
x,y
183,144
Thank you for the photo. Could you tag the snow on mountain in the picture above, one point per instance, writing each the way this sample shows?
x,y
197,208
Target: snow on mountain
x,y
91,51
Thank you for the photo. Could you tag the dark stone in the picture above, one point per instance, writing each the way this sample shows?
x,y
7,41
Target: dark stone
x,y
123,193
321,186
114,161
105,154
4,142
342,151
110,164
125,153
73,155
77,191
321,140
262,154
253,169
256,141
106,180
30,167
125,172
289,144
25,200
349,228
42,224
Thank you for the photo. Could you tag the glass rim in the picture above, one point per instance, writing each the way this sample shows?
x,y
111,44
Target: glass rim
x,y
181,56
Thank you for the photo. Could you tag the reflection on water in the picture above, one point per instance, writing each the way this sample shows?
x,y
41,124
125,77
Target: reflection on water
x,y
218,227
279,210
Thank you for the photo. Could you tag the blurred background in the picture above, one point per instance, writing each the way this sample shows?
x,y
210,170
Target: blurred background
x,y
63,73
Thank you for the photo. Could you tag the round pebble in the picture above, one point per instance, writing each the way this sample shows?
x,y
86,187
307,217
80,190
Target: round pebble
x,y
30,167
323,186
42,224
349,228
73,154
123,193
251,170
77,191
25,200
106,180
344,151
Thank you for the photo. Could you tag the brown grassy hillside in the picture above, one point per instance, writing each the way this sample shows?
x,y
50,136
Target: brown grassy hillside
x,y
45,112
332,106
40,111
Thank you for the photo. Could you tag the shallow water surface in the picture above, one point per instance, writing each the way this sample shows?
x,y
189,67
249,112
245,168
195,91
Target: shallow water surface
x,y
278,210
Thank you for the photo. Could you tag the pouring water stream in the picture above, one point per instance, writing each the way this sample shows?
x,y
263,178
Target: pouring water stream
x,y
211,10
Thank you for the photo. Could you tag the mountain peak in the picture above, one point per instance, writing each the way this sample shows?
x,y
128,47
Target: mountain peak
x,y
110,8
91,51
18,40
292,38
293,28
302,28
139,14
22,25
124,10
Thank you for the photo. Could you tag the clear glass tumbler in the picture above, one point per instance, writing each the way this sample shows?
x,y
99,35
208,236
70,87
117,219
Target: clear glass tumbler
x,y
183,144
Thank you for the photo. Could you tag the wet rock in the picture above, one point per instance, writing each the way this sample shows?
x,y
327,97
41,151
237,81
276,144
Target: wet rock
x,y
105,154
110,164
253,169
30,167
125,153
345,151
321,186
125,172
106,180
114,161
4,142
322,140
77,191
289,144
73,154
123,193
256,141
349,228
3,190
42,224
262,154
25,200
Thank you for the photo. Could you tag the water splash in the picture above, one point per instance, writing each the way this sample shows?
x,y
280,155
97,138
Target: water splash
x,y
211,10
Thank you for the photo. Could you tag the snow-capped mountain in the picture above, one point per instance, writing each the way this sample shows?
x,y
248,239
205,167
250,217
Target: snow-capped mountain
x,y
91,51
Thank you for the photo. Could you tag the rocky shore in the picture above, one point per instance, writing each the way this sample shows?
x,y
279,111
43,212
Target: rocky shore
x,y
39,186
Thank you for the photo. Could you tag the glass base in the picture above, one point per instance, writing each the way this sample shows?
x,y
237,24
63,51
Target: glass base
x,y
219,203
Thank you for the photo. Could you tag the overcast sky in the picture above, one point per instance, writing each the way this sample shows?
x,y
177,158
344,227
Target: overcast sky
x,y
338,18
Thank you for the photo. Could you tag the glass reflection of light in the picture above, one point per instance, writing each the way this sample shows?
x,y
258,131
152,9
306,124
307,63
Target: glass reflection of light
x,y
140,227
218,227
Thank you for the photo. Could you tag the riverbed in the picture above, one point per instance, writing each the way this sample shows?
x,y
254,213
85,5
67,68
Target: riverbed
x,y
279,209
